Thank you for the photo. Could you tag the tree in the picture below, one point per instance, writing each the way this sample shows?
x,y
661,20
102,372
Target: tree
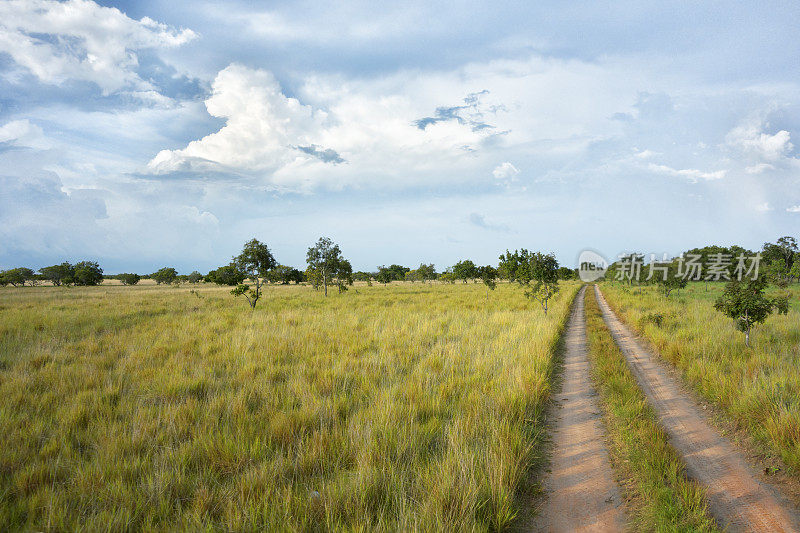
x,y
282,274
426,272
88,273
465,270
543,270
745,302
129,279
515,266
226,275
668,276
18,276
58,274
164,275
780,257
488,275
195,277
398,272
384,275
326,264
566,273
254,262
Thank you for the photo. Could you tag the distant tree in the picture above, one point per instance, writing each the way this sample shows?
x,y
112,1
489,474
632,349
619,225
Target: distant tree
x,y
465,270
667,276
779,258
515,266
566,273
745,302
362,276
164,275
398,272
195,277
488,275
543,278
255,262
326,264
226,275
18,276
281,274
384,275
182,278
59,274
426,272
88,273
129,279
413,275
447,276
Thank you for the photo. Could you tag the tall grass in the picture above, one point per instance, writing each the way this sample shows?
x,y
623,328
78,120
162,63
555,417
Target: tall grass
x,y
387,408
758,387
659,496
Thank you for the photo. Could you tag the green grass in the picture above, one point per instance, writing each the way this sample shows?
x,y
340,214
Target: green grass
x,y
758,388
404,407
651,472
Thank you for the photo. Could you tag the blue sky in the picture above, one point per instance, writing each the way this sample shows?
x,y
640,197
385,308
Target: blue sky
x,y
144,134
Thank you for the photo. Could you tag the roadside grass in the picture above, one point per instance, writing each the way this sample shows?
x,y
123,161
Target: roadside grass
x,y
757,387
386,408
659,496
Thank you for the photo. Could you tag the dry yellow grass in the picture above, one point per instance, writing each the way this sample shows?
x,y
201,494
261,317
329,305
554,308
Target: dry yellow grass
x,y
390,408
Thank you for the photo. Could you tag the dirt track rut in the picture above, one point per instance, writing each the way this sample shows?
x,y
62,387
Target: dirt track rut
x,y
738,500
581,492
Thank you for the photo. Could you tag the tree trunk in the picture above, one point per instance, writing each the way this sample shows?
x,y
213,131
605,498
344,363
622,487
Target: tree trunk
x,y
325,281
747,338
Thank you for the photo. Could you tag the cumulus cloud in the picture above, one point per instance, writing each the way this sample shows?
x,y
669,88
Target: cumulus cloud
x,y
505,172
750,138
23,133
692,174
80,40
793,209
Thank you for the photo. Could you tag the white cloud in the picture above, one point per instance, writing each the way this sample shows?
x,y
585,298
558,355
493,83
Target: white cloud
x,y
505,172
763,207
81,40
645,154
793,209
691,174
23,133
759,168
750,138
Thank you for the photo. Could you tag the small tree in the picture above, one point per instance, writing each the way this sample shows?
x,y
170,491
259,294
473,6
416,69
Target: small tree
x,y
88,273
465,270
226,275
384,275
488,275
194,277
745,302
426,272
667,277
326,264
255,262
544,278
282,274
165,275
129,279
18,276
58,274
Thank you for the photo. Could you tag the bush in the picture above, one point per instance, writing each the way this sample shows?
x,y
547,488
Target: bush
x,y
88,273
129,279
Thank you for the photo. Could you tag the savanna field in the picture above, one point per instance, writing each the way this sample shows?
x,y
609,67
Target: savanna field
x,y
408,406
758,388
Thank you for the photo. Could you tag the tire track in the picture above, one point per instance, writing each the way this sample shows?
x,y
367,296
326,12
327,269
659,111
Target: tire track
x,y
737,499
581,492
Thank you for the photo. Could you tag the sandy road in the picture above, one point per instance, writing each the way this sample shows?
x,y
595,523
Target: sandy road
x,y
738,500
581,494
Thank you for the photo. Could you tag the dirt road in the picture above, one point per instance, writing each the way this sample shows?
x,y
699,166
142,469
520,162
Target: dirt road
x,y
738,500
581,494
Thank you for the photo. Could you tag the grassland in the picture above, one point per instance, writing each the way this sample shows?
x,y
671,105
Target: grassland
x,y
757,388
651,473
387,408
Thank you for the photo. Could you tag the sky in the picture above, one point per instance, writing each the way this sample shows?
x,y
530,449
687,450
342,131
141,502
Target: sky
x,y
152,133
